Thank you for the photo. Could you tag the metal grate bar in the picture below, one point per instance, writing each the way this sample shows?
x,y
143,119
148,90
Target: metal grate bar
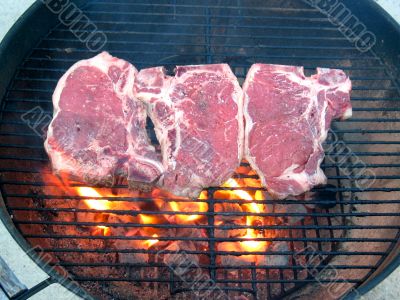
x,y
149,251
239,201
209,214
235,65
279,9
222,55
200,44
141,279
319,267
214,16
144,238
232,289
239,26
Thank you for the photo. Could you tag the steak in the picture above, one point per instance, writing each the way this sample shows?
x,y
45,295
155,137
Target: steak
x,y
198,121
287,118
98,129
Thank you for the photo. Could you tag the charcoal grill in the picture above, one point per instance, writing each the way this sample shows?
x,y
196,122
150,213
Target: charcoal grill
x,y
348,240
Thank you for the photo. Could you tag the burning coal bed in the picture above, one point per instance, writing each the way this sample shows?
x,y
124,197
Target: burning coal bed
x,y
154,244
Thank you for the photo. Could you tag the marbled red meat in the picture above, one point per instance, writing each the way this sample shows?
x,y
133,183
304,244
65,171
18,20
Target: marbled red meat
x,y
198,121
287,118
98,128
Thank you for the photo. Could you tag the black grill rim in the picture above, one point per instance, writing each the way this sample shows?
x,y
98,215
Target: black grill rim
x,y
30,28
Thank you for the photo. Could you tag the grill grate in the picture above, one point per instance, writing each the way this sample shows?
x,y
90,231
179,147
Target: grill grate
x,y
353,237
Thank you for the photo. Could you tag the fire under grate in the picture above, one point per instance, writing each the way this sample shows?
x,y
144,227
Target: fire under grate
x,y
334,237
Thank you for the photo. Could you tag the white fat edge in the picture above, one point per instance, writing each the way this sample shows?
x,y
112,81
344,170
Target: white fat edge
x,y
246,100
315,88
160,131
151,162
345,87
146,98
197,184
154,163
57,160
71,166
191,190
60,164
249,123
131,77
347,114
178,141
150,99
319,176
305,180
289,172
170,158
104,60
129,96
322,124
301,178
239,139
126,94
292,76
237,97
131,149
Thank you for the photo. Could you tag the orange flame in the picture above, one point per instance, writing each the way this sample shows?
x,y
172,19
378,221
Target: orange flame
x,y
254,208
199,206
95,204
152,242
96,199
146,219
106,205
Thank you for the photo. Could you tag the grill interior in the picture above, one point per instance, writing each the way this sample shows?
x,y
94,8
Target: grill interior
x,y
350,226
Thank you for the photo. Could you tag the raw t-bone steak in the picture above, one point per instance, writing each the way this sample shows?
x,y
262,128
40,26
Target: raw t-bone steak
x,y
197,115
287,118
98,128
